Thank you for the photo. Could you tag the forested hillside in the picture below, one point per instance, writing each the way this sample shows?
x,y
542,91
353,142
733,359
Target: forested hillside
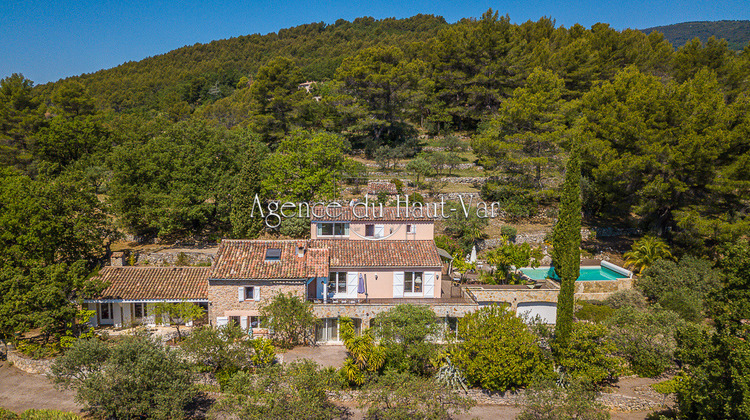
x,y
736,32
205,72
176,143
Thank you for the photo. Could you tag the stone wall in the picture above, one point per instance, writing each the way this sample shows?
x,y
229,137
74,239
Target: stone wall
x,y
169,258
603,286
366,312
28,365
584,290
223,295
513,296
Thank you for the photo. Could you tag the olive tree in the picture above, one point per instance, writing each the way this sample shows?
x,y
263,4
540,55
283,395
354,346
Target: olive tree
x,y
135,377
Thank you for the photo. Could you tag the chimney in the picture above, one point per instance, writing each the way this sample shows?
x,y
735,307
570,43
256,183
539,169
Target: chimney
x,y
300,249
119,259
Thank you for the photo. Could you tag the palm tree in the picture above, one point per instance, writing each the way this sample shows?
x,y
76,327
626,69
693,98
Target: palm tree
x,y
646,251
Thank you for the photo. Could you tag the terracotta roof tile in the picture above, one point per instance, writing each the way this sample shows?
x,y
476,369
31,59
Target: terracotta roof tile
x,y
136,283
375,187
352,253
246,259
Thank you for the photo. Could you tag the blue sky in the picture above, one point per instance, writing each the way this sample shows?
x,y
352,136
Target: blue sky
x,y
50,40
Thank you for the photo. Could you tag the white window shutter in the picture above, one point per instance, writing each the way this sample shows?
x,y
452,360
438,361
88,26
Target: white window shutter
x,y
351,285
243,322
222,321
429,284
256,293
241,294
398,284
379,231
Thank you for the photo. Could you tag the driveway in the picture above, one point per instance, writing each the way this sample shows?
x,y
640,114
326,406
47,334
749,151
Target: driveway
x,y
326,355
20,391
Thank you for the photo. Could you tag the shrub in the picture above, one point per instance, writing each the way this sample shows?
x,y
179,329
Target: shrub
x,y
416,198
399,185
593,312
629,298
589,355
398,395
645,339
497,351
293,391
136,377
7,414
680,287
448,244
508,231
35,414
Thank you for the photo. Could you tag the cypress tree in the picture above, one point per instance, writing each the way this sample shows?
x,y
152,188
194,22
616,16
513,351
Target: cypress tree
x,y
566,252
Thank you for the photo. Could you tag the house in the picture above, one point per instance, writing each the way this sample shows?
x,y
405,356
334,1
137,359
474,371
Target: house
x,y
374,188
132,292
359,261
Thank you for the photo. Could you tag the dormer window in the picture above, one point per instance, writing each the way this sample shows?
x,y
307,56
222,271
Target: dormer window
x,y
273,254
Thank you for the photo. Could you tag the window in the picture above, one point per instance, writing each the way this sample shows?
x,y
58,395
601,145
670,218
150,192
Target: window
x,y
327,330
273,254
337,282
248,293
369,231
411,229
140,310
357,326
106,311
257,322
333,229
413,282
234,320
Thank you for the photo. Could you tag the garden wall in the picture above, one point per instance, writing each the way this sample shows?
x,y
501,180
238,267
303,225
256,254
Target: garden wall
x,y
29,365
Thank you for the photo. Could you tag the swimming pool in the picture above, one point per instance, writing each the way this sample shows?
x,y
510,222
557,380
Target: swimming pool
x,y
587,273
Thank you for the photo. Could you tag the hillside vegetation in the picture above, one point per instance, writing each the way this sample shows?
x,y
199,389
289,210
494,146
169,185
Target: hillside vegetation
x,y
176,144
735,32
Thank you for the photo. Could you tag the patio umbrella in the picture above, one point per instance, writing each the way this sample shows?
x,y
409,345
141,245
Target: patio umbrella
x,y
361,288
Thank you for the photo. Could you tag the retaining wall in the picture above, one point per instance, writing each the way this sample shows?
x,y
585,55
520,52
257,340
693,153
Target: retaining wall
x,y
29,365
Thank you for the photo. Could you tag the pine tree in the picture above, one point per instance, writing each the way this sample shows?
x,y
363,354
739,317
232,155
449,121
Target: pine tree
x,y
566,252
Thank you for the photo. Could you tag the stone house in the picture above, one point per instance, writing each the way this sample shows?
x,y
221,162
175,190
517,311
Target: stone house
x,y
358,262
132,293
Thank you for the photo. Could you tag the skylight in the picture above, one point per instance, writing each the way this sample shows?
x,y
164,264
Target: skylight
x,y
273,254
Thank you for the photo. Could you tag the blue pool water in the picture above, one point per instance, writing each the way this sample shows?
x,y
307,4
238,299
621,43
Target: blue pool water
x,y
587,274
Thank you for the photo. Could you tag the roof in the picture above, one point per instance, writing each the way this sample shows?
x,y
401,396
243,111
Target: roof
x,y
155,283
246,259
360,213
349,253
376,187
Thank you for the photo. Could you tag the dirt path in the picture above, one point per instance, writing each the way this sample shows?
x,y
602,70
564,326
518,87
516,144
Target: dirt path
x,y
20,391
